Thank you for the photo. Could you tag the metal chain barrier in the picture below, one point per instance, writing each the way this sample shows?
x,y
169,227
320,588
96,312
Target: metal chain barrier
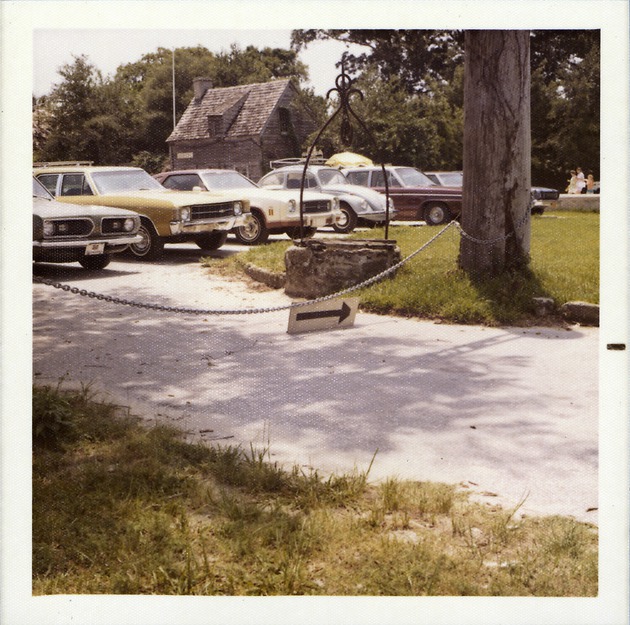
x,y
251,311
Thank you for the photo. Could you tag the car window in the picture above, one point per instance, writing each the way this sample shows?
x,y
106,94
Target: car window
x,y
272,180
226,180
75,184
413,177
454,179
120,181
50,182
294,180
331,176
183,182
40,191
358,177
378,179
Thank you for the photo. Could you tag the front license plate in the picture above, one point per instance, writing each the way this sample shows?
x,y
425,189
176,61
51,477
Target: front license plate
x,y
94,248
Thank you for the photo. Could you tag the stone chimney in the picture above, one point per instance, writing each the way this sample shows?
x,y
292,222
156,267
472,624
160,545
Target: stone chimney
x,y
200,86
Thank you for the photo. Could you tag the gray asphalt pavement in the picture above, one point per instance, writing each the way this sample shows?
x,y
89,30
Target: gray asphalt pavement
x,y
508,413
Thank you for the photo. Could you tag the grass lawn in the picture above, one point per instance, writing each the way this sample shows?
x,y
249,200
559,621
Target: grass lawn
x,y
564,266
119,508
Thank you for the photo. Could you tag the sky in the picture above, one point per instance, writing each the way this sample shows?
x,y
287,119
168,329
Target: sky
x,y
109,48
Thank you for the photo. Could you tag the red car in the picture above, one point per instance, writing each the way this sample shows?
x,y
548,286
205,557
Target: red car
x,y
415,196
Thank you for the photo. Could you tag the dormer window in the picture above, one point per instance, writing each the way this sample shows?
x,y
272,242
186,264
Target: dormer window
x,y
215,125
285,120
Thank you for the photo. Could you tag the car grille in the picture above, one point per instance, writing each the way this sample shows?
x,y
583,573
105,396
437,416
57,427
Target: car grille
x,y
73,227
316,206
210,211
549,195
113,225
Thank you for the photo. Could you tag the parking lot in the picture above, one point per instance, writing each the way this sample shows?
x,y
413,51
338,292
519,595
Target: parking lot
x,y
509,413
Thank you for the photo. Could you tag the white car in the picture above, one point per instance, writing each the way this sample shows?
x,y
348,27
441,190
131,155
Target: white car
x,y
273,211
359,205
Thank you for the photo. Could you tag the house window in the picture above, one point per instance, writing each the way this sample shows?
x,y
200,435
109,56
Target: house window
x,y
285,120
215,125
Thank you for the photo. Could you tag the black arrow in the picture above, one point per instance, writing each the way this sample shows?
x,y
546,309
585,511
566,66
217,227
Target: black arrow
x,y
342,313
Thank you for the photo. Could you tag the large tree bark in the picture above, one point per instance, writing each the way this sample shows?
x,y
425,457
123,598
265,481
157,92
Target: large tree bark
x,y
497,152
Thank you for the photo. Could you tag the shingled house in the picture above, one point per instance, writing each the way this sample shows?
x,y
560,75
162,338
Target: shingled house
x,y
242,127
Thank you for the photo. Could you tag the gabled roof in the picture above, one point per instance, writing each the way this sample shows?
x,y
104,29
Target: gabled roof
x,y
246,108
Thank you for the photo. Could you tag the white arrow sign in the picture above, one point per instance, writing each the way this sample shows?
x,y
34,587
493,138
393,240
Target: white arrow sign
x,y
323,315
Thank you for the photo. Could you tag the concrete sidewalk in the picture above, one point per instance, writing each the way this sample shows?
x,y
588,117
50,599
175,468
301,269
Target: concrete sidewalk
x,y
506,412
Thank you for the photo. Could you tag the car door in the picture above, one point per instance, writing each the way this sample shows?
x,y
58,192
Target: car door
x,y
405,203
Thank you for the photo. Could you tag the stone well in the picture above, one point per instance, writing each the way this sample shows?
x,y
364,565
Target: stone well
x,y
318,267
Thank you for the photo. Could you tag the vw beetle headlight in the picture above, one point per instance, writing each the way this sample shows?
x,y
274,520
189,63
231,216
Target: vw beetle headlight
x,y
292,206
335,203
364,205
184,213
238,208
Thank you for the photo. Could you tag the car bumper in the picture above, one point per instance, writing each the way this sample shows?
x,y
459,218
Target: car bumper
x,y
310,221
200,227
109,244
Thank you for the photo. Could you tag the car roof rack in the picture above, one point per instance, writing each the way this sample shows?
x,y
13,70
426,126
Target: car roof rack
x,y
64,164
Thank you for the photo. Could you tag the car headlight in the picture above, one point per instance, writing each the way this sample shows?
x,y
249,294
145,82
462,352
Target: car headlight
x,y
536,194
129,224
364,205
184,213
335,203
49,228
391,204
238,208
292,206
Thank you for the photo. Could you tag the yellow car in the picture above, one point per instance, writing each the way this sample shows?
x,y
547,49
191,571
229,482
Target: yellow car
x,y
166,216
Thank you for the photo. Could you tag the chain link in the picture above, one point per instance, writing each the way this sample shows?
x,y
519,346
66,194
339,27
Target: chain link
x,y
251,311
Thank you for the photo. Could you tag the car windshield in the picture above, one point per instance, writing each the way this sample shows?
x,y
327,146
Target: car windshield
x,y
331,176
40,191
226,180
412,177
119,181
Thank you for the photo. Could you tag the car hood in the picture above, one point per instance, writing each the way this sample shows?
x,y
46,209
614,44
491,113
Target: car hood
x,y
373,197
172,197
51,208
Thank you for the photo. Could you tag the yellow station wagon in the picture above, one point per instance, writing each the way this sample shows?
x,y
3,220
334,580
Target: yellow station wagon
x,y
167,216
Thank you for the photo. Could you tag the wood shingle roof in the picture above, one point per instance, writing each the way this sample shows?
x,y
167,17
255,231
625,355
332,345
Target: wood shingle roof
x,y
245,109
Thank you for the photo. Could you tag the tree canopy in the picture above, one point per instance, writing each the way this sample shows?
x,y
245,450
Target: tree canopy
x,y
412,85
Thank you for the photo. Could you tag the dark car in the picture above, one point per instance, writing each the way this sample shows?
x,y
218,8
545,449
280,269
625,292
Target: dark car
x,y
415,196
542,197
89,235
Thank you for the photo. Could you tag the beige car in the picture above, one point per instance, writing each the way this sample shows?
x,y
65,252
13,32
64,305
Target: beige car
x,y
167,216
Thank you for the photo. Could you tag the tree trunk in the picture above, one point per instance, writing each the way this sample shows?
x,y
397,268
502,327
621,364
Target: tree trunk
x,y
497,153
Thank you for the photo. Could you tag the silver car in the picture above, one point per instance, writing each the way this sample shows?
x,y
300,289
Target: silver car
x,y
89,235
359,205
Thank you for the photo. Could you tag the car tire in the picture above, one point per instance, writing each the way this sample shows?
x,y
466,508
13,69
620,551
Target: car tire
x,y
254,233
296,235
436,214
348,222
151,246
95,263
212,240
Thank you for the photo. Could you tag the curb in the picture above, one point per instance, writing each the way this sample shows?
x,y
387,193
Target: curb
x,y
271,279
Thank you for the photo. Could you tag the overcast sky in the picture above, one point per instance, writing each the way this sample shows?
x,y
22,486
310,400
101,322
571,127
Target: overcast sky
x,y
109,48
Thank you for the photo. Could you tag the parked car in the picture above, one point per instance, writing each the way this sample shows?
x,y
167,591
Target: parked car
x,y
358,206
416,196
542,197
89,235
166,216
272,211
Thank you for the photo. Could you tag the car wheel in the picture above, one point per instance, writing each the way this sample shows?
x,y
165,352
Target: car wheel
x,y
96,263
436,214
254,232
538,210
212,240
348,221
296,235
151,246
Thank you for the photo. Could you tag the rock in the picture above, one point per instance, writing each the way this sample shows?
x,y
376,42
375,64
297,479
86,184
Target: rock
x,y
581,312
271,279
321,267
